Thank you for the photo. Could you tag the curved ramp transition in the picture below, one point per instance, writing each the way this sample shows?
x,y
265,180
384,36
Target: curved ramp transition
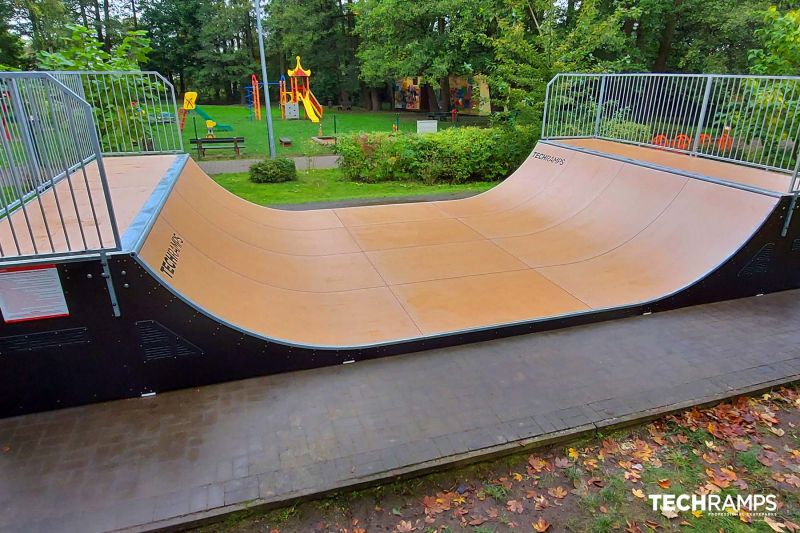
x,y
569,233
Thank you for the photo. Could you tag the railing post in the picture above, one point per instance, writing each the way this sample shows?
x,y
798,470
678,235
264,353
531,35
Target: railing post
x,y
601,98
701,121
546,100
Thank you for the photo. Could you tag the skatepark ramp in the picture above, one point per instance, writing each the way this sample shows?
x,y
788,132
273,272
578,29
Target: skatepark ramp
x,y
208,287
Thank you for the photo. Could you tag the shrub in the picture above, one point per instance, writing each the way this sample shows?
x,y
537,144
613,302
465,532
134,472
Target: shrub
x,y
276,170
454,155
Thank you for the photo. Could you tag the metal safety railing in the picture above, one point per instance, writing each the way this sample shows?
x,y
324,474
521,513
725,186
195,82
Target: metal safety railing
x,y
135,112
54,194
752,120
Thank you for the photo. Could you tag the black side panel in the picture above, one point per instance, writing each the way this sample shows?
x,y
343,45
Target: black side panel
x,y
162,343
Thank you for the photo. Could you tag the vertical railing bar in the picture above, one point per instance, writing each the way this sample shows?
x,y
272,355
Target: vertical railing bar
x,y
645,113
116,125
146,117
759,126
13,178
752,95
600,101
774,145
768,123
545,124
51,151
788,133
68,178
702,118
136,141
586,105
155,120
106,193
32,158
72,128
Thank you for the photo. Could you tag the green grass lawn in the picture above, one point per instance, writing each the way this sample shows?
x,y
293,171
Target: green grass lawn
x,y
300,131
329,185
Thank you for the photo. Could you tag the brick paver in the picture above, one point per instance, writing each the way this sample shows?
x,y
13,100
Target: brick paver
x,y
193,453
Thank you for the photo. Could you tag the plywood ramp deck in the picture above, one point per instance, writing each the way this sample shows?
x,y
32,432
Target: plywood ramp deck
x,y
62,219
568,232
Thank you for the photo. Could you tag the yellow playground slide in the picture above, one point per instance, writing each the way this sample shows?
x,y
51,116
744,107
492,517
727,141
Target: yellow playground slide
x,y
308,105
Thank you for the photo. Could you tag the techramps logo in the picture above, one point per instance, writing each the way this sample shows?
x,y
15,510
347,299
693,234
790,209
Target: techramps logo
x,y
751,505
549,158
170,262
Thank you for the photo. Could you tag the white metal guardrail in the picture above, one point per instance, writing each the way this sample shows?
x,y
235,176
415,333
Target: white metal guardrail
x,y
752,120
135,112
54,195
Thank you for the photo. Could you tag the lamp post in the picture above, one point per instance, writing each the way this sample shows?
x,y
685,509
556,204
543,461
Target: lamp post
x,y
270,134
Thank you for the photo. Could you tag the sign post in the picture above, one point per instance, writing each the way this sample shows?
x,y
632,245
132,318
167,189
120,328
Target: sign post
x,y
190,104
270,135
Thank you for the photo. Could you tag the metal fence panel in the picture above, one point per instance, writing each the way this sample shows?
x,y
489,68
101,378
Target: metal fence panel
x,y
754,120
54,195
134,112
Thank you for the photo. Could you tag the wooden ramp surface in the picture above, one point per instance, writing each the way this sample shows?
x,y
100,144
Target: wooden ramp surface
x,y
568,232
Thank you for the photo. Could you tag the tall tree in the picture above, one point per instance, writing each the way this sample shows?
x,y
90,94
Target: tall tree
x,y
433,39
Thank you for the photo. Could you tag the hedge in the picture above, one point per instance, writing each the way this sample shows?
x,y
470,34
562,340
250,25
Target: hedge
x,y
454,155
276,170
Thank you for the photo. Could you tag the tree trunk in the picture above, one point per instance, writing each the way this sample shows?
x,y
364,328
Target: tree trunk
x,y
98,22
444,96
133,12
375,99
665,46
432,102
107,15
570,15
84,18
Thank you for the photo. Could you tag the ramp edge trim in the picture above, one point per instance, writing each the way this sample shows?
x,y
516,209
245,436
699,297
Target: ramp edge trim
x,y
134,237
671,170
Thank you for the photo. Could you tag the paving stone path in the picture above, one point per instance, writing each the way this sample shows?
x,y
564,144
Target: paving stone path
x,y
180,456
243,165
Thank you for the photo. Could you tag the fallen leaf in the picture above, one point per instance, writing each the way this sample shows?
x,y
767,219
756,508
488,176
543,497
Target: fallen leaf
x,y
639,493
775,525
516,476
744,516
396,511
476,521
405,526
664,483
603,509
791,526
557,492
541,525
514,506
562,462
492,513
669,513
573,454
632,527
793,480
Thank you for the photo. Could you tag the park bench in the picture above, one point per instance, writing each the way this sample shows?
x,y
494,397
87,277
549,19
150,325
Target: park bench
x,y
442,116
219,143
286,141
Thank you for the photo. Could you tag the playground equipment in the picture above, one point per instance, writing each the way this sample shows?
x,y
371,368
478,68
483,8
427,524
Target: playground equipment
x,y
299,92
189,105
255,98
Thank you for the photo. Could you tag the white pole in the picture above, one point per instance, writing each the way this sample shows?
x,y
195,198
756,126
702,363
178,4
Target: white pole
x,y
270,135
